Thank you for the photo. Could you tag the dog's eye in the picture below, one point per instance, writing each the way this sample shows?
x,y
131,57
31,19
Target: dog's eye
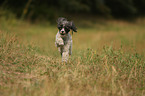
x,y
67,29
59,28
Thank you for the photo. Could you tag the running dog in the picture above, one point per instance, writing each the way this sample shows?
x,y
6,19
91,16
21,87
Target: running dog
x,y
63,37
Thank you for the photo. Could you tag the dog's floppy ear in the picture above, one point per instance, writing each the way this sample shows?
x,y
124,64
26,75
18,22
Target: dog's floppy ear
x,y
73,27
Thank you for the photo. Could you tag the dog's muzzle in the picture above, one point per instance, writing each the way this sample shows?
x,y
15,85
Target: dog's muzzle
x,y
62,32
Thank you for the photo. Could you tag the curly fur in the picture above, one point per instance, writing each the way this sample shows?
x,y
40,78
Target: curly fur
x,y
63,38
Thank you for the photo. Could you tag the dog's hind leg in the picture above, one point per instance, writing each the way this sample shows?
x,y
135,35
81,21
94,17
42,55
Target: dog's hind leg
x,y
70,49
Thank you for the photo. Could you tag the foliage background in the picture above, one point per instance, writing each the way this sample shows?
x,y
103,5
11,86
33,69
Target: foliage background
x,y
51,9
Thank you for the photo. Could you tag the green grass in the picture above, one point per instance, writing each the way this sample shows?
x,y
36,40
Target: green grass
x,y
107,60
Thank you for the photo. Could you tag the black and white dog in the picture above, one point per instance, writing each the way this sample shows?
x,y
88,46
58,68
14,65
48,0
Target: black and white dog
x,y
63,38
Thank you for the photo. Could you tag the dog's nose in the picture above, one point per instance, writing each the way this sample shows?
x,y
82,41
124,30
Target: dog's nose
x,y
62,31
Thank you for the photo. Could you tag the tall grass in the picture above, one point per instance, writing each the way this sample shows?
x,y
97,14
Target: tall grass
x,y
16,60
31,66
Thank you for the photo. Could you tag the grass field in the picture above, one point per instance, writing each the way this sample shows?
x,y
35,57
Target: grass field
x,y
108,59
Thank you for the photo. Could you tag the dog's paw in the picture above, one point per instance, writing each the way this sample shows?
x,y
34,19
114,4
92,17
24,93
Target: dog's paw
x,y
61,44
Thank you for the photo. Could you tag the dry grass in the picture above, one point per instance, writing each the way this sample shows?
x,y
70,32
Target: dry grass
x,y
108,60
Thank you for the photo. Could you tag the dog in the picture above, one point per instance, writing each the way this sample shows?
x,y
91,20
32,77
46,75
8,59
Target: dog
x,y
63,39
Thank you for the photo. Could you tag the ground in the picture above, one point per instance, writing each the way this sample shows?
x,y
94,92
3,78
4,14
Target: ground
x,y
107,60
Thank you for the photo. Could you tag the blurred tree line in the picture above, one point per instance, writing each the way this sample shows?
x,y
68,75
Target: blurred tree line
x,y
51,9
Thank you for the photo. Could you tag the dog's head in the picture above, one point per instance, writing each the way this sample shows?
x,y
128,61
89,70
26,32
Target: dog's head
x,y
65,26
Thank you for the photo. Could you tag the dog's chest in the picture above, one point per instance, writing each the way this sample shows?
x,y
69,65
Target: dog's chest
x,y
63,40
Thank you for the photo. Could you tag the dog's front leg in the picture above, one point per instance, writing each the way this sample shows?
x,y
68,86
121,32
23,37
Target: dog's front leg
x,y
65,56
65,53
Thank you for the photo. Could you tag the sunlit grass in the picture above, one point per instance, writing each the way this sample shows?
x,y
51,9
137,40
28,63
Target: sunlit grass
x,y
107,60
